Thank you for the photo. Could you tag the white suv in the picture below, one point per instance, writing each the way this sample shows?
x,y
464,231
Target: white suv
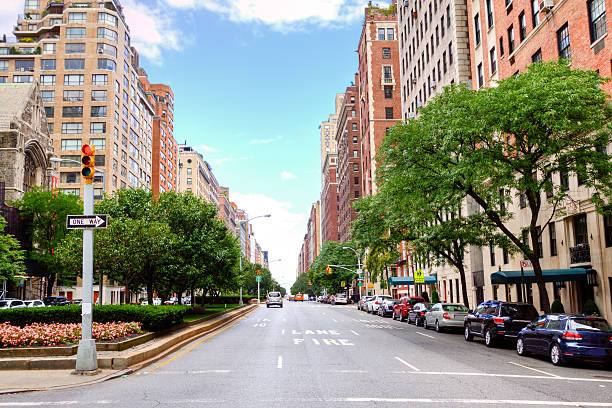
x,y
274,299
372,304
341,299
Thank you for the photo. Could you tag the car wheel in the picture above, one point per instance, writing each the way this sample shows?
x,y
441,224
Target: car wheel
x,y
467,334
438,328
268,306
556,357
520,347
490,337
394,316
281,306
425,326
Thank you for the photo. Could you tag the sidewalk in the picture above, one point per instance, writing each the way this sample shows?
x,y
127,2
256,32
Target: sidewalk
x,y
23,374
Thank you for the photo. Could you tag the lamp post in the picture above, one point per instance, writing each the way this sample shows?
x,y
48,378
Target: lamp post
x,y
359,271
240,222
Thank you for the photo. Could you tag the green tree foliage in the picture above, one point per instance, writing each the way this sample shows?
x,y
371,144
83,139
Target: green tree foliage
x,y
332,253
11,257
502,144
301,286
44,213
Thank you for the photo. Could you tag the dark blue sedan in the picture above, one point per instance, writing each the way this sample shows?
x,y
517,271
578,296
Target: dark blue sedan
x,y
564,338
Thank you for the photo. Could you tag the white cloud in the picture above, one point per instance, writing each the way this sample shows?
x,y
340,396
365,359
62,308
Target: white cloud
x,y
282,234
151,28
265,141
8,15
287,175
207,149
281,15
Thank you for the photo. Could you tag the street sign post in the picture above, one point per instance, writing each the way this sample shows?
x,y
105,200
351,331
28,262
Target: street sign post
x,y
419,276
258,279
87,221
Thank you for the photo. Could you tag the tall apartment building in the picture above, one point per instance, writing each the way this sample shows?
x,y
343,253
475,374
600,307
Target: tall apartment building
x,y
301,264
196,175
328,130
578,238
329,200
379,86
227,209
483,46
80,54
313,234
165,149
434,49
348,140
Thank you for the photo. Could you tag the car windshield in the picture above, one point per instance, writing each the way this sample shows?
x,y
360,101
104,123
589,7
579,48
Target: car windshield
x,y
523,312
590,324
454,308
274,294
415,301
340,295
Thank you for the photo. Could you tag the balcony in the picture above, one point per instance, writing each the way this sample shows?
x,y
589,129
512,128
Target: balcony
x,y
56,5
580,254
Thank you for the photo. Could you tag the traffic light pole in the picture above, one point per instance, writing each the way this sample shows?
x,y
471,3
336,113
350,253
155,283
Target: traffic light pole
x,y
87,360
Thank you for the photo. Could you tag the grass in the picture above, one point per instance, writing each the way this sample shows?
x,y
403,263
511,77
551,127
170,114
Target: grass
x,y
210,309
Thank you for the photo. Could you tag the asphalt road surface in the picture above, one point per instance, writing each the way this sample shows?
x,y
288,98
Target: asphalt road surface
x,y
314,355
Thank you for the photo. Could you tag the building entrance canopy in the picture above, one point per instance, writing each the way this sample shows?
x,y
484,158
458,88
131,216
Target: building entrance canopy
x,y
409,280
549,275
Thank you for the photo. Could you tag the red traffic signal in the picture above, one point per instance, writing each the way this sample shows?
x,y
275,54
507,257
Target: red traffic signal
x,y
88,160
258,272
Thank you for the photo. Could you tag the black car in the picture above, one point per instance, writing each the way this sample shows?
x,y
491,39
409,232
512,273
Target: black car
x,y
56,301
563,338
496,320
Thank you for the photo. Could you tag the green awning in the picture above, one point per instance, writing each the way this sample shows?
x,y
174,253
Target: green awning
x,y
409,280
549,275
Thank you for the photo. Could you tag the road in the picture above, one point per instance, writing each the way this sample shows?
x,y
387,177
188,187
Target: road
x,y
314,355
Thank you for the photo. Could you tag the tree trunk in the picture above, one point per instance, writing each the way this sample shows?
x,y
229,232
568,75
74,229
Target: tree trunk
x,y
464,292
150,292
193,298
50,283
537,270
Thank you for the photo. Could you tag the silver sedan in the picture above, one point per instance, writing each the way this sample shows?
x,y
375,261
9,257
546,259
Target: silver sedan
x,y
445,316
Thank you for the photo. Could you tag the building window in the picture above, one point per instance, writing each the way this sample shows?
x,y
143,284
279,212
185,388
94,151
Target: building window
x,y
355,154
388,92
523,200
353,113
564,180
49,111
107,64
106,18
522,26
480,76
45,65
188,180
77,17
75,48
72,111
97,128
552,236
71,144
563,42
501,46
477,29
72,128
597,19
73,96
525,236
99,79
489,13
49,48
608,230
540,246
391,34
20,79
107,34
537,56
386,53
47,80
48,96
99,144
69,177
356,193
505,256
98,111
511,39
493,60
388,113
74,80
355,167
75,32
98,96
381,34
535,13
74,64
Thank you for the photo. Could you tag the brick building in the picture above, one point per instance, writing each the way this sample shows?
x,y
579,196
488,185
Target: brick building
x,y
329,200
348,141
196,175
379,86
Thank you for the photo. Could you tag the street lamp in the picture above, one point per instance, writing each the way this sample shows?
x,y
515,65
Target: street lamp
x,y
240,222
358,263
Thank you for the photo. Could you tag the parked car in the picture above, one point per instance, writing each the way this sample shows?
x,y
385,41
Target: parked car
x,y
299,297
11,304
496,320
274,299
320,299
34,303
563,338
372,304
444,316
404,305
56,301
157,301
361,303
386,307
340,299
416,315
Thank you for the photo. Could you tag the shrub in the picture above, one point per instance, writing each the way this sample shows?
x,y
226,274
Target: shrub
x,y
590,308
435,298
219,300
557,307
153,318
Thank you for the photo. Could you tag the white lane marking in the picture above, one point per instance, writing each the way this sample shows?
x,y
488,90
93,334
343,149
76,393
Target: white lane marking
x,y
407,364
189,372
354,332
37,404
468,401
335,320
534,369
283,331
315,341
349,371
537,377
279,363
426,335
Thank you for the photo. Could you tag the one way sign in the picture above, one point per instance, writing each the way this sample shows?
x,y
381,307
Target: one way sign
x,y
86,221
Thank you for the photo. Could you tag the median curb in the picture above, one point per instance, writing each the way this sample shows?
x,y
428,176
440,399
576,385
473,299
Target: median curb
x,y
140,354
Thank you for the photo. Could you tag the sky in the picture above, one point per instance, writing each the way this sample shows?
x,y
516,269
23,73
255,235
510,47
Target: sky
x,y
252,80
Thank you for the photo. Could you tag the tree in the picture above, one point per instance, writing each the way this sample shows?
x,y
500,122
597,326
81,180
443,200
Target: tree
x,y
44,213
332,253
301,285
505,142
11,257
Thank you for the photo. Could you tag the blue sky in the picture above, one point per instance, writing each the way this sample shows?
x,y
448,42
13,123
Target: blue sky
x,y
252,79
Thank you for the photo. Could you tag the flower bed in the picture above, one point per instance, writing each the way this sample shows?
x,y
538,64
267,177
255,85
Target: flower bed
x,y
54,334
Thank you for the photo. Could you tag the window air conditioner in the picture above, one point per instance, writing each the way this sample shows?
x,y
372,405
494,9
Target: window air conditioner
x,y
419,104
414,81
546,5
406,2
432,84
410,115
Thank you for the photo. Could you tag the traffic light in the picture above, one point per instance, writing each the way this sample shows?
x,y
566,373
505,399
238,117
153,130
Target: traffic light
x,y
328,270
88,160
258,272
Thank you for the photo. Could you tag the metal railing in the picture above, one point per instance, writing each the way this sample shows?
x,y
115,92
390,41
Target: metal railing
x,y
581,253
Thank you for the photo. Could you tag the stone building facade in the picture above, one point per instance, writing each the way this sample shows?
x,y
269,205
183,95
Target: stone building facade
x,y
329,200
25,144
